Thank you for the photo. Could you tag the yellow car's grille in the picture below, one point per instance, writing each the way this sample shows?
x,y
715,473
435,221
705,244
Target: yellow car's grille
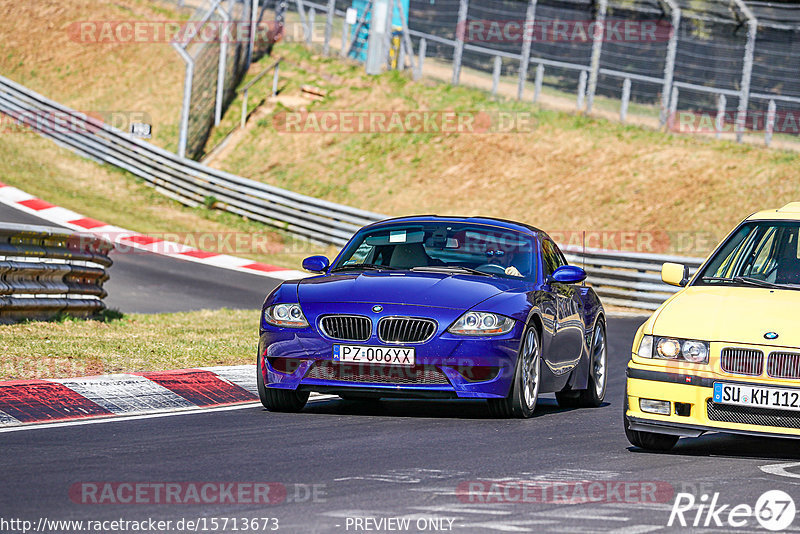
x,y
742,361
752,416
783,365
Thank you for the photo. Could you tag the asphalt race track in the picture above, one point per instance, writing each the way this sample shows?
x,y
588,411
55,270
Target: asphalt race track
x,y
339,462
148,283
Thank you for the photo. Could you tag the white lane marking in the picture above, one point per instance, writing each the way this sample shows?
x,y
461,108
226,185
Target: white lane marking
x,y
463,509
636,529
123,418
781,469
406,476
125,394
509,526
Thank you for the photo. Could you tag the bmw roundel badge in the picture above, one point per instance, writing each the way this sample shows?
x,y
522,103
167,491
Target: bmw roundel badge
x,y
378,308
771,335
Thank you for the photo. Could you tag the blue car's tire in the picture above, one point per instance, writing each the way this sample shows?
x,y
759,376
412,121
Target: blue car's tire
x,y
278,400
521,399
595,391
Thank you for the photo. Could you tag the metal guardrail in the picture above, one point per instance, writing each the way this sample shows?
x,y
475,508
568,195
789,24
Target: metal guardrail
x,y
621,278
47,271
184,180
629,279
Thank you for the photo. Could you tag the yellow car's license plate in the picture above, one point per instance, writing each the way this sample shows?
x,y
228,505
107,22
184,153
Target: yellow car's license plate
x,y
757,396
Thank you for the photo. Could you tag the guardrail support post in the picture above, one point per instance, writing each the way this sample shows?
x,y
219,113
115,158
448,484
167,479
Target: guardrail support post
x,y
537,86
719,121
626,96
275,81
458,51
769,127
527,38
498,64
597,47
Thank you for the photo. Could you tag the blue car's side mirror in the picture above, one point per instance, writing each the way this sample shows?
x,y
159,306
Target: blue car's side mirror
x,y
568,274
316,264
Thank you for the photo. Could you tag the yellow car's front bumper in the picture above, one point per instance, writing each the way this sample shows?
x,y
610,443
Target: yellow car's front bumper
x,y
692,410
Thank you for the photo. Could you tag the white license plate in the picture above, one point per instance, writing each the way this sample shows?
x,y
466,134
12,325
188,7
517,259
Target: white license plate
x,y
376,355
757,396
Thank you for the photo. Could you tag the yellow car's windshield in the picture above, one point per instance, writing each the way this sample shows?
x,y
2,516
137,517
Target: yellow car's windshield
x,y
764,253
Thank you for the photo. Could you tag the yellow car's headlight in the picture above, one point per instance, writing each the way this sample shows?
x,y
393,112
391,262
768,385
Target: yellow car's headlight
x,y
669,348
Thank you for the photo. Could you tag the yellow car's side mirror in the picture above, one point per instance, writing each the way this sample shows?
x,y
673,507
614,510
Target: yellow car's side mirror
x,y
675,274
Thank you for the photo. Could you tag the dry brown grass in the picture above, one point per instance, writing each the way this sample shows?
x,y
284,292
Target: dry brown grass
x,y
570,174
37,51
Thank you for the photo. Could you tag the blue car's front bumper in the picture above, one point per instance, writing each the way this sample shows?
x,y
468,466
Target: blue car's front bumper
x,y
474,367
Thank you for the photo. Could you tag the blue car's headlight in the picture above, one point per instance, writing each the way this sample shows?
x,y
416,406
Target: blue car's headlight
x,y
285,315
482,324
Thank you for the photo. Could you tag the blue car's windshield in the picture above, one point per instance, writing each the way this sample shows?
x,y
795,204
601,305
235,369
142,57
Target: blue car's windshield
x,y
448,247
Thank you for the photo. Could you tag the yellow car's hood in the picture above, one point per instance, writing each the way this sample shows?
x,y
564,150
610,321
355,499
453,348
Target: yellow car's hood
x,y
733,315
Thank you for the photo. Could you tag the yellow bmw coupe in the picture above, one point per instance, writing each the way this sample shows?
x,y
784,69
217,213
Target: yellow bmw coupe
x,y
723,354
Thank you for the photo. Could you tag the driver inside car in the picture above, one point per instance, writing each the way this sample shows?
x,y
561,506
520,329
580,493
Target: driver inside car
x,y
499,257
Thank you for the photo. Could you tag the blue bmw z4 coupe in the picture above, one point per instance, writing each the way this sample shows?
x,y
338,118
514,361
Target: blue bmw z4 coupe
x,y
436,307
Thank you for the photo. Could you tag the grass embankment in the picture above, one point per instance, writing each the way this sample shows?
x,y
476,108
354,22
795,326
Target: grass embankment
x,y
571,173
132,343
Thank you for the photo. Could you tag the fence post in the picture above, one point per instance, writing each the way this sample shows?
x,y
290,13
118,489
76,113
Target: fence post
x,y
387,38
527,37
187,99
597,47
275,80
537,87
244,109
406,37
581,90
673,107
458,51
312,14
669,63
747,70
223,59
423,48
626,96
770,126
719,121
326,48
498,65
252,41
345,36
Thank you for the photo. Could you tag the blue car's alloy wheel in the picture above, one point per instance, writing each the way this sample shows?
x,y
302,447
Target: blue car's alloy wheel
x,y
521,400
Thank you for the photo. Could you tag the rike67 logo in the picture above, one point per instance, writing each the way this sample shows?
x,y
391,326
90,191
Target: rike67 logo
x,y
774,510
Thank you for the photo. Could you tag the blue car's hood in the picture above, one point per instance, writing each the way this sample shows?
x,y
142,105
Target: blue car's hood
x,y
418,289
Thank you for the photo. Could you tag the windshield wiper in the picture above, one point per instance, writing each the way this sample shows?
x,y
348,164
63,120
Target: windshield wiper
x,y
756,282
363,267
449,268
747,281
